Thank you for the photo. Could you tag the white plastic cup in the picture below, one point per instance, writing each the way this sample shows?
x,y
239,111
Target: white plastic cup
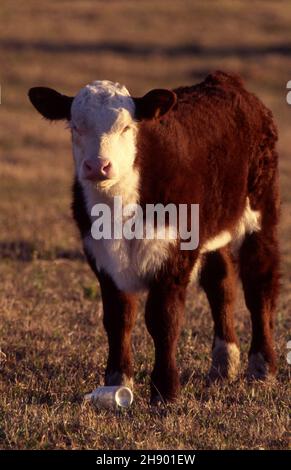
x,y
111,397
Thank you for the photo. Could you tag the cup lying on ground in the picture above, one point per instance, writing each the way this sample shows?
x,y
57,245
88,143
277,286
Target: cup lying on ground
x,y
111,397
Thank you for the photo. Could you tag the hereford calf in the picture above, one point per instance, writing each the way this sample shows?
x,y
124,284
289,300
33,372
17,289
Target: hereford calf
x,y
212,144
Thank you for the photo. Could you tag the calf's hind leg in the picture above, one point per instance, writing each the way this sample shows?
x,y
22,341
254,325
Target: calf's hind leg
x,y
218,279
259,273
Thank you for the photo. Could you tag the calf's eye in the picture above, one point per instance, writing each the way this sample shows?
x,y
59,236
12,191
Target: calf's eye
x,y
126,128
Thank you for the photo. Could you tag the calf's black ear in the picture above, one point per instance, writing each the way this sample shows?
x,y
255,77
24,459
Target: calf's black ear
x,y
51,104
154,104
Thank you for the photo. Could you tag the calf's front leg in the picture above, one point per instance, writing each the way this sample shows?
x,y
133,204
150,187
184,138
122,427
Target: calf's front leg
x,y
164,313
119,313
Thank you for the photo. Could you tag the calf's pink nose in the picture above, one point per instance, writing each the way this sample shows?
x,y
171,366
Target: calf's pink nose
x,y
96,169
105,168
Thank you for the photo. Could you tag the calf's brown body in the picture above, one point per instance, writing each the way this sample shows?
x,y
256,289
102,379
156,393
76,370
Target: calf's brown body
x,y
215,147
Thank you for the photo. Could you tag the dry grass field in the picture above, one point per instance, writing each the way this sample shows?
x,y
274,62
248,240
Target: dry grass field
x,y
53,348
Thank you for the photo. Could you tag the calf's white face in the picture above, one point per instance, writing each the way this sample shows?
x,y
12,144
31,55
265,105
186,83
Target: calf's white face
x,y
103,132
103,118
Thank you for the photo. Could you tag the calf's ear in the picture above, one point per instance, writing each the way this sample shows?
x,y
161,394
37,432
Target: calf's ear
x,y
154,104
51,104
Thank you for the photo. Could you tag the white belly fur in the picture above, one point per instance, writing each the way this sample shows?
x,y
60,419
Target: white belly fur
x,y
248,223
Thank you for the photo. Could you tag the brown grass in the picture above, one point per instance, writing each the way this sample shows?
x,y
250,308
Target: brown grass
x,y
52,341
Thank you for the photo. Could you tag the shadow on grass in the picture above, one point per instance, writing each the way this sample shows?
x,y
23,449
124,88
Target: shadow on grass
x,y
21,250
65,379
146,50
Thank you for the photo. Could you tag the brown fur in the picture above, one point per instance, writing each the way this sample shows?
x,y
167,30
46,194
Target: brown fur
x,y
215,148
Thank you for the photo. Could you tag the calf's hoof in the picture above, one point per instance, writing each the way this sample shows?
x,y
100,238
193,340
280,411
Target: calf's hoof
x,y
225,361
118,378
259,368
165,391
